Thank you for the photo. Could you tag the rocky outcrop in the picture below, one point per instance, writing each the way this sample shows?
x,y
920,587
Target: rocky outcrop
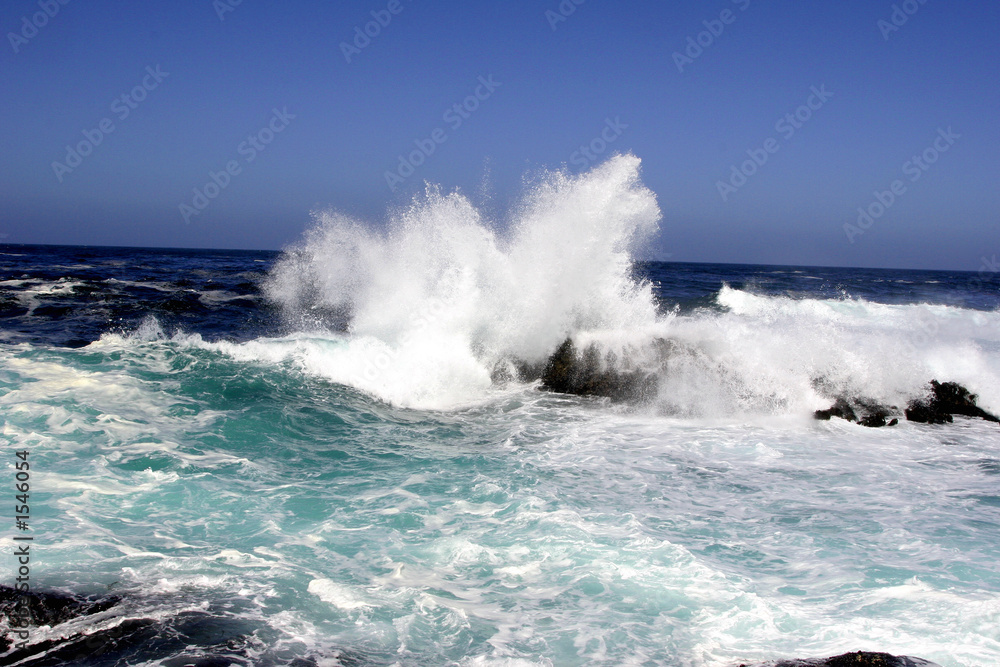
x,y
587,374
861,411
858,659
945,400
114,630
49,608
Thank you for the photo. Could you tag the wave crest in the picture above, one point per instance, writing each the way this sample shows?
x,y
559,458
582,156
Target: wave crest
x,y
440,296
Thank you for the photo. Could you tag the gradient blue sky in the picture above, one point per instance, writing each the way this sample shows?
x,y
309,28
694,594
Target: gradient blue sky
x,y
613,60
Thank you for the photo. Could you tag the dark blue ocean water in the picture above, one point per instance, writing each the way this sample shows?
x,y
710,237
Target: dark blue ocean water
x,y
71,295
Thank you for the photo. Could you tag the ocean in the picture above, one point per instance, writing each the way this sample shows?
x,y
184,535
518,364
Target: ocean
x,y
326,455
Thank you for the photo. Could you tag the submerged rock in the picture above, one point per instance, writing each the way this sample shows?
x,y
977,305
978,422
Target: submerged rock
x,y
945,400
858,659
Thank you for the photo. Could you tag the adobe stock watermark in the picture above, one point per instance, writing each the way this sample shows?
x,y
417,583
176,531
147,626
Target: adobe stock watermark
x,y
363,35
30,25
122,106
714,28
988,268
454,116
223,7
786,126
900,16
249,149
913,169
586,155
563,11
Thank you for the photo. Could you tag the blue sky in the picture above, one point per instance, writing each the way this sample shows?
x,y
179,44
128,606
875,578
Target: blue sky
x,y
265,89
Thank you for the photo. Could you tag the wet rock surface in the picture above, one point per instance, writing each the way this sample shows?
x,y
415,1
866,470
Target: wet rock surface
x,y
944,400
861,411
857,659
64,629
586,373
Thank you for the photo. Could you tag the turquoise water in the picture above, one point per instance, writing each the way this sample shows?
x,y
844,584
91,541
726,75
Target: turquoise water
x,y
549,529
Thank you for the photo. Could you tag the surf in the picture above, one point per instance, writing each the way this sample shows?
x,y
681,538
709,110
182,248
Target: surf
x,y
442,306
435,300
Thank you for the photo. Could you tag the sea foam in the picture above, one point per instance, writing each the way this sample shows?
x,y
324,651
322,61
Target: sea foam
x,y
430,307
440,296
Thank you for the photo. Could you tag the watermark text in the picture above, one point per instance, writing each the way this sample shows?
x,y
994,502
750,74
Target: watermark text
x,y
122,106
20,615
363,35
714,28
563,11
30,25
899,17
913,169
249,150
454,116
787,126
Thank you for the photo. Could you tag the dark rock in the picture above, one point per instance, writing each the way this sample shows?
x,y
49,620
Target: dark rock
x,y
864,411
877,420
127,634
561,372
50,608
82,648
841,408
33,609
587,374
923,413
858,659
861,658
946,399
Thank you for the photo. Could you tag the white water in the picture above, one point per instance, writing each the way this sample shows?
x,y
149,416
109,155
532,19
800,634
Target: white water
x,y
781,355
439,298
